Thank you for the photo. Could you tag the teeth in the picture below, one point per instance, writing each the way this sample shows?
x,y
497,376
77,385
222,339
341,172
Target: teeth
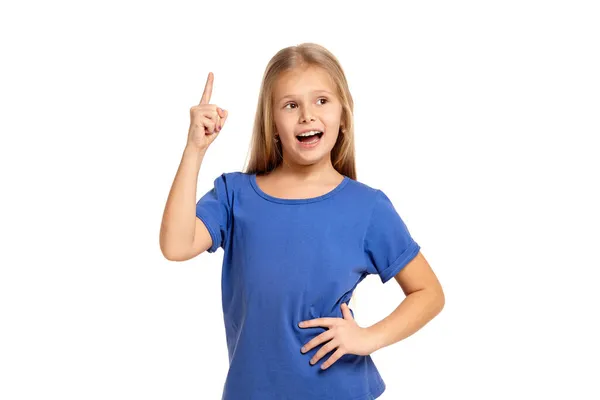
x,y
309,133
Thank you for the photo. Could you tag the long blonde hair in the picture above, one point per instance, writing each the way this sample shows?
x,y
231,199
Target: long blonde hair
x,y
265,154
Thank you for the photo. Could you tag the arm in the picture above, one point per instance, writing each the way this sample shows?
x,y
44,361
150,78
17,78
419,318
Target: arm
x,y
424,300
182,234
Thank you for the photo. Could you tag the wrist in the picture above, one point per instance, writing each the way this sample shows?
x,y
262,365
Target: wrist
x,y
193,150
374,338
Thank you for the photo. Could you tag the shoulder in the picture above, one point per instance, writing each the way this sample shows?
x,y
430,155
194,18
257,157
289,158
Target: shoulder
x,y
365,194
230,180
226,185
375,204
233,175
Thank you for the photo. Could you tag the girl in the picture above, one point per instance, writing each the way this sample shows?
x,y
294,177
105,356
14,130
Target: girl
x,y
299,233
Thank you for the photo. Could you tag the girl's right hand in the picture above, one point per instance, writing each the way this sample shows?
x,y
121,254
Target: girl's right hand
x,y
206,120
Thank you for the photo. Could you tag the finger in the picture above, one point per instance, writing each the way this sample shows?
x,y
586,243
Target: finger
x,y
333,358
323,351
318,322
346,312
215,116
209,125
207,89
221,114
322,338
226,113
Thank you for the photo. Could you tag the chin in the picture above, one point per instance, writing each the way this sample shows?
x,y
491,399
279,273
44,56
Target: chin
x,y
310,159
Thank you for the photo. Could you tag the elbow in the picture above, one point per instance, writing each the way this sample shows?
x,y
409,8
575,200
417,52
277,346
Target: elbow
x,y
168,251
175,254
441,299
174,257
436,298
169,254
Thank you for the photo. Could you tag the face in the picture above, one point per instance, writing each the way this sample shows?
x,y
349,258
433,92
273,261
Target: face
x,y
304,100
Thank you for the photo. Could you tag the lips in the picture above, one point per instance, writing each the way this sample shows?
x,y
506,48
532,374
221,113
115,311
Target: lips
x,y
304,139
309,142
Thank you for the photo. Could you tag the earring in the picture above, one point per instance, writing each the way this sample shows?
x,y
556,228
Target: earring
x,y
276,138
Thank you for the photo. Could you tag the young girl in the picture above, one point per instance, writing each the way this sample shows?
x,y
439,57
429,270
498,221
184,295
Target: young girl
x,y
299,233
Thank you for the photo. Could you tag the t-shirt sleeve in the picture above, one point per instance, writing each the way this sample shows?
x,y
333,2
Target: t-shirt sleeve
x,y
213,208
388,243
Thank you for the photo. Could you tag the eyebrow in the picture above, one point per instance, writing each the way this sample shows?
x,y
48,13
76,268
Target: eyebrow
x,y
314,91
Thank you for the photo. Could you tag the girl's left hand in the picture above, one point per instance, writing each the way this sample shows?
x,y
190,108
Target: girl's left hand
x,y
343,334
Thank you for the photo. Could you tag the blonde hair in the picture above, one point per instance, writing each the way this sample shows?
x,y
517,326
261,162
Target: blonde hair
x,y
265,154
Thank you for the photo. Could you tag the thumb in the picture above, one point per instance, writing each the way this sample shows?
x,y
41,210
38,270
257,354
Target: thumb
x,y
346,312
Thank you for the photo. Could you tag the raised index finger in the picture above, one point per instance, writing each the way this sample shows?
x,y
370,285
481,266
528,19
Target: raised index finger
x,y
207,89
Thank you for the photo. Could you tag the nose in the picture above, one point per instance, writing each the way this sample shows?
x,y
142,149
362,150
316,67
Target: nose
x,y
306,115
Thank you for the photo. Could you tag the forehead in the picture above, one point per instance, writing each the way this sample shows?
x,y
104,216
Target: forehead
x,y
299,81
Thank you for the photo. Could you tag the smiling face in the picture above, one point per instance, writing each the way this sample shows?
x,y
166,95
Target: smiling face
x,y
304,100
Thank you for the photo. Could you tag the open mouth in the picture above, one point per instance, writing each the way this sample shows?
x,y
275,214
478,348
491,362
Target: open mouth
x,y
310,137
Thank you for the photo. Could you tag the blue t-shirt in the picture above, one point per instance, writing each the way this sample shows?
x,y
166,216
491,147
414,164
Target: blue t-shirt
x,y
290,260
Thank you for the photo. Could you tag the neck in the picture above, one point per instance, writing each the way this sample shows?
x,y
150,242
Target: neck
x,y
322,169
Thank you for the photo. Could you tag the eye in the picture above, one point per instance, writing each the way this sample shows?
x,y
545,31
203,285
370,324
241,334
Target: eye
x,y
320,98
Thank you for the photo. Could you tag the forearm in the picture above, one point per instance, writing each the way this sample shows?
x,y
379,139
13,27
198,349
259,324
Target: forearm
x,y
178,223
416,310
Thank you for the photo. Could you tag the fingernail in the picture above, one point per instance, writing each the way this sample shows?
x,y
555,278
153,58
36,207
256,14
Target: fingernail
x,y
301,324
303,349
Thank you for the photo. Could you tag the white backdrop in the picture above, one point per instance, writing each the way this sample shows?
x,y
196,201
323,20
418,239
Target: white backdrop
x,y
478,119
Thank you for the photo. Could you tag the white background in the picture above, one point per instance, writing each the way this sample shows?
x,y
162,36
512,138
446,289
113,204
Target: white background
x,y
479,119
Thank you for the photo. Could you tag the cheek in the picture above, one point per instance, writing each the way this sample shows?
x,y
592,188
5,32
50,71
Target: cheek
x,y
332,139
332,119
333,126
285,123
